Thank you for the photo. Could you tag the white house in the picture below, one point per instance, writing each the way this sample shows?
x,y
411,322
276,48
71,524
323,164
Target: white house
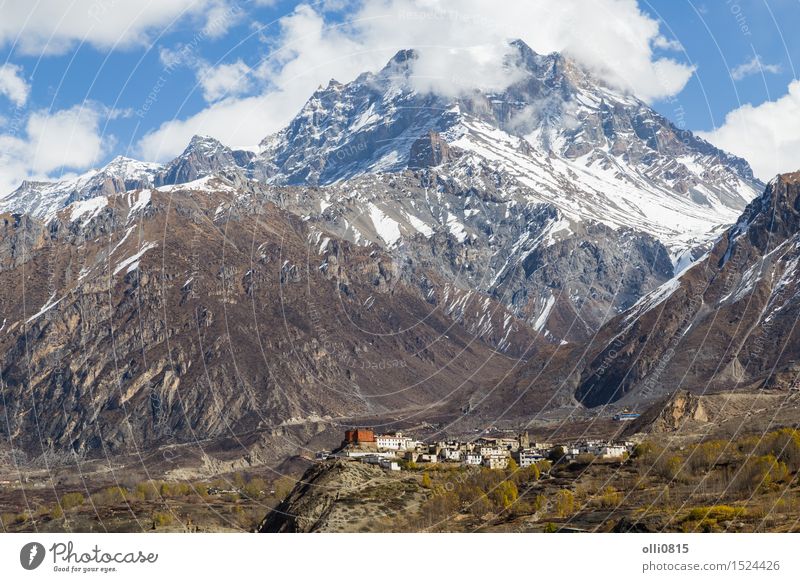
x,y
508,443
489,451
611,451
473,459
528,457
496,461
394,442
450,455
601,449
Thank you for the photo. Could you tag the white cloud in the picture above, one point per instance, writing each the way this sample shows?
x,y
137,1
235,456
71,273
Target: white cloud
x,y
614,38
214,81
46,141
754,67
56,26
224,80
766,135
667,44
12,85
237,122
459,49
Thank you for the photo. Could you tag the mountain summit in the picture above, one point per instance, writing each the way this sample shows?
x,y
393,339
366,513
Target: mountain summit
x,y
593,151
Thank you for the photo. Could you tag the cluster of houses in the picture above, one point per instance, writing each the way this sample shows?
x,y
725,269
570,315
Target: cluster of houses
x,y
494,452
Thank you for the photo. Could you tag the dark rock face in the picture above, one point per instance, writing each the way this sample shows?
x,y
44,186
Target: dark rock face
x,y
429,151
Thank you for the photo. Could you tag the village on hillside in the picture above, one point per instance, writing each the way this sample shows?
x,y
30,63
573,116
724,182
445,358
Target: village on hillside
x,y
394,451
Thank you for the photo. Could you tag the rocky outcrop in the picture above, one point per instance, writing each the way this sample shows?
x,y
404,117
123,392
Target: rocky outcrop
x,y
310,505
345,496
673,413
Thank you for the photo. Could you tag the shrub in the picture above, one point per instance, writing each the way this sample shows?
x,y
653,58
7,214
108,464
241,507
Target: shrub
x,y
148,491
565,503
182,489
705,455
440,506
784,445
759,473
609,498
668,467
644,449
556,454
110,496
72,500
284,486
255,488
481,505
748,445
426,480
6,519
162,519
505,494
706,518
529,473
238,480
716,512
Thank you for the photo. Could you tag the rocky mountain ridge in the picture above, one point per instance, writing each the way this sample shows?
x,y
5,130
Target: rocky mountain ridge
x,y
727,323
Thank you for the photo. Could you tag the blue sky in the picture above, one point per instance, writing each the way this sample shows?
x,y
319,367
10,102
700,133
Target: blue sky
x,y
85,80
718,38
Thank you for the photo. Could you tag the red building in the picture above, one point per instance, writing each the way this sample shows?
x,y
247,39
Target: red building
x,y
358,436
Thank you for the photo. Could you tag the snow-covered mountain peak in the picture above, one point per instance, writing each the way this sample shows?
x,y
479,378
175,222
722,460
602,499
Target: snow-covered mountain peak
x,y
594,151
43,199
